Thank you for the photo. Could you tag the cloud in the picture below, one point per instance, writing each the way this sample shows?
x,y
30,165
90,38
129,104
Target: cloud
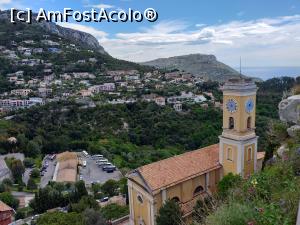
x,y
262,42
267,41
200,25
102,6
4,3
100,35
7,4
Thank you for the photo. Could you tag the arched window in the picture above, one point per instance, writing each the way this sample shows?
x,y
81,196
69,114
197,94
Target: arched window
x,y
198,190
231,123
249,154
140,199
229,154
249,122
175,199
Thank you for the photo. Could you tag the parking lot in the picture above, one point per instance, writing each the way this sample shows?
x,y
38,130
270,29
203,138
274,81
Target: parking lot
x,y
93,173
48,174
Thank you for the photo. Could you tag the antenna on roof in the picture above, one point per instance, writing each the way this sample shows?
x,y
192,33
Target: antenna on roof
x,y
240,66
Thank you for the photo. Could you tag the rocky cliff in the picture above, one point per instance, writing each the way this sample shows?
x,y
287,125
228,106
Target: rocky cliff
x,y
289,111
81,38
206,66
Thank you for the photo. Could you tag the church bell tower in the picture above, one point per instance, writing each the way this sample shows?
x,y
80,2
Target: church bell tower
x,y
238,142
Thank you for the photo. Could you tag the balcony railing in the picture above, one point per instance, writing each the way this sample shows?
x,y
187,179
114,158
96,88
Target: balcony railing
x,y
188,207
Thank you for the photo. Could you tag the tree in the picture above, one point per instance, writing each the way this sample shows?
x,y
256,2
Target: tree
x,y
9,199
35,173
28,162
114,211
92,217
86,202
20,214
47,198
31,185
17,169
79,191
169,214
96,188
110,188
33,149
22,141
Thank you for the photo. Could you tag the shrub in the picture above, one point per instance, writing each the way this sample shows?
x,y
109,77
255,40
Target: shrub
x,y
169,214
7,182
114,211
233,213
20,215
56,218
229,181
35,173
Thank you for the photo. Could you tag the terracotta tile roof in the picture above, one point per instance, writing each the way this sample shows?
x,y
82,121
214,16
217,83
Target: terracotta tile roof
x,y
261,155
4,207
178,168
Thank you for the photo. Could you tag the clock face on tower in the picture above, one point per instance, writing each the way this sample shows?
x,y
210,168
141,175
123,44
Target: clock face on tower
x,y
231,105
249,105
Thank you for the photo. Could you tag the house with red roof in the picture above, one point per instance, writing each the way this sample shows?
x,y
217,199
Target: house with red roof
x,y
6,214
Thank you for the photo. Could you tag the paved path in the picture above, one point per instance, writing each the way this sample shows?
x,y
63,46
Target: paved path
x,y
26,175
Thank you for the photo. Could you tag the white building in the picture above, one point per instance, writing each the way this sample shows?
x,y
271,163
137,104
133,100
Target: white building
x,y
161,101
177,107
18,104
44,92
103,87
21,92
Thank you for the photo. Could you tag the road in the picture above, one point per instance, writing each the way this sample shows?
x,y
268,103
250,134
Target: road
x,y
49,172
93,173
26,175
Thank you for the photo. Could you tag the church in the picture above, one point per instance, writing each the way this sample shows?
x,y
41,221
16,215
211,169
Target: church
x,y
187,177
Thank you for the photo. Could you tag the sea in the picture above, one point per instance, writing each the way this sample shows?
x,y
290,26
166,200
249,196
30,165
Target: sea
x,y
266,73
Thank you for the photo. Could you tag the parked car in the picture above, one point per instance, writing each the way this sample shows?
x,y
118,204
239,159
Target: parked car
x,y
105,199
101,161
109,168
52,157
97,156
105,164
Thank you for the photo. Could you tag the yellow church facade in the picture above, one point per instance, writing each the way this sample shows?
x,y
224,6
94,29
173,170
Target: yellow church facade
x,y
188,177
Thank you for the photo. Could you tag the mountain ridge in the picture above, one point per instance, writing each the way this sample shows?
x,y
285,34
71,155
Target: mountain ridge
x,y
202,65
82,38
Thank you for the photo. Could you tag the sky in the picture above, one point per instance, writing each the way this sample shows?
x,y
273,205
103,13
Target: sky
x,y
262,32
